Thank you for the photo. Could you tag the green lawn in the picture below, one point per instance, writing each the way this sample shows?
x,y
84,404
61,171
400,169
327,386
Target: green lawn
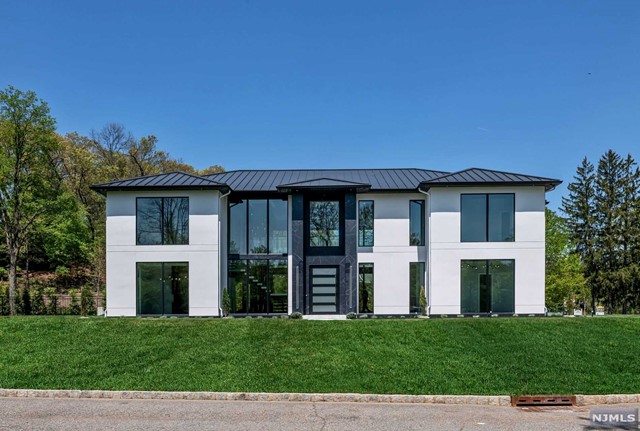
x,y
416,356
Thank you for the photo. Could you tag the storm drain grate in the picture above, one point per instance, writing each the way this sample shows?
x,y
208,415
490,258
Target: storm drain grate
x,y
541,400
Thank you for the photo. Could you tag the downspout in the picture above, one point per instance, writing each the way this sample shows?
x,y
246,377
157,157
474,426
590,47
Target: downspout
x,y
220,263
428,253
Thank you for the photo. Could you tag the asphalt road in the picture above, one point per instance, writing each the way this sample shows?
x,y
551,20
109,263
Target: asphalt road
x,y
91,414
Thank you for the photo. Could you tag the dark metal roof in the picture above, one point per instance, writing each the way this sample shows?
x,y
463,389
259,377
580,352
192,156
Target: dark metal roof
x,y
477,176
166,181
324,184
379,179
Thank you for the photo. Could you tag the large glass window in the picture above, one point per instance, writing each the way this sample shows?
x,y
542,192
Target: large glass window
x,y
487,217
258,286
487,286
324,224
365,288
162,288
162,221
365,224
258,226
416,222
416,285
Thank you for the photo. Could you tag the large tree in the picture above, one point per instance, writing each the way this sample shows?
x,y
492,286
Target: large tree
x,y
28,176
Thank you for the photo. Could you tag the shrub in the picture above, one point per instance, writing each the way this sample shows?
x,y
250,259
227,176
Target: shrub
x,y
37,302
74,305
26,302
87,304
52,296
226,303
4,274
351,315
296,315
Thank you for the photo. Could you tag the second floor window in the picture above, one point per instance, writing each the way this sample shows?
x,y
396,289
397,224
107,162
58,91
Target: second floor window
x,y
258,226
365,224
487,217
162,221
324,224
416,223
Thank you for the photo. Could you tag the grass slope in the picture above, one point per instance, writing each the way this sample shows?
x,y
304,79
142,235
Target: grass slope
x,y
436,356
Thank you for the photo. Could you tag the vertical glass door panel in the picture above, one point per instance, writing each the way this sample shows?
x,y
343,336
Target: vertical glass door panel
x,y
324,289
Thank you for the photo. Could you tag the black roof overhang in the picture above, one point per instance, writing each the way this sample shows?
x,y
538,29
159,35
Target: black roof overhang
x,y
103,189
548,185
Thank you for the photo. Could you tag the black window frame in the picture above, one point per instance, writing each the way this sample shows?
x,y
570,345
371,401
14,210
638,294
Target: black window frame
x,y
162,221
371,266
162,290
417,308
319,250
249,255
233,294
422,222
360,228
311,286
487,263
487,218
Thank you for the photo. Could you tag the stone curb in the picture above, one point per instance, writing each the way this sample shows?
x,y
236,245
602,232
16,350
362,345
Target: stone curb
x,y
260,396
500,400
590,400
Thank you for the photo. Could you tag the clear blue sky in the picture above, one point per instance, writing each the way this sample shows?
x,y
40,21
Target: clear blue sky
x,y
524,86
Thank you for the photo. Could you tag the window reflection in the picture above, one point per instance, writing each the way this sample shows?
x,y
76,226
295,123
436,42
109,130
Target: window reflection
x,y
162,288
365,224
162,221
324,224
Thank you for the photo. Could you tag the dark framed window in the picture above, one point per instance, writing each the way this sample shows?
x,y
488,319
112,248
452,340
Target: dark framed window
x,y
258,227
162,288
365,223
416,222
416,285
487,286
487,217
258,286
324,281
365,288
162,221
324,223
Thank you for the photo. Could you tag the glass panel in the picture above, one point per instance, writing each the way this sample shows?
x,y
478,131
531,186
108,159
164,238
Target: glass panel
x,y
258,226
365,281
416,284
237,284
473,218
238,228
416,222
176,288
149,221
325,271
277,226
257,286
324,223
278,280
365,224
502,285
324,289
324,309
176,221
501,217
323,280
149,286
472,275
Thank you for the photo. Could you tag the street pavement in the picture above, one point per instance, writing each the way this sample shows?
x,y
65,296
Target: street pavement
x,y
18,414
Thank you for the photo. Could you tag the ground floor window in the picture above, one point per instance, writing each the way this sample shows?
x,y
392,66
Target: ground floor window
x,y
416,286
162,288
258,286
365,289
487,286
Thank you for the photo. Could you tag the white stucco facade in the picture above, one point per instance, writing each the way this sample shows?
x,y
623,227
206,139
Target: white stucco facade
x,y
447,250
391,254
202,252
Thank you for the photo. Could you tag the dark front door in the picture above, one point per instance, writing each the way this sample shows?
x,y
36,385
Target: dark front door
x,y
324,289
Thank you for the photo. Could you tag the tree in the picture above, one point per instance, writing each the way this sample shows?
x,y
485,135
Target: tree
x,y
579,207
28,177
565,281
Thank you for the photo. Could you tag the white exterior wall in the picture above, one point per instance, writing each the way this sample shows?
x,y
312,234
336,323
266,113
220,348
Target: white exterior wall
x,y
202,252
391,253
447,250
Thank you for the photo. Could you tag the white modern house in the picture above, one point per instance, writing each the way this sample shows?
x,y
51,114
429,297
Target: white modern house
x,y
327,243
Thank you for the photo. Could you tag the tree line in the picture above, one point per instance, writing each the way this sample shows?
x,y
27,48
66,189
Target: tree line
x,y
50,219
593,252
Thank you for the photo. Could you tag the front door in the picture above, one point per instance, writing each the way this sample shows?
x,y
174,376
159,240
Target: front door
x,y
324,289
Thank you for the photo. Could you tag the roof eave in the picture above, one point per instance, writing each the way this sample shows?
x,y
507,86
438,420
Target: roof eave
x,y
548,185
103,189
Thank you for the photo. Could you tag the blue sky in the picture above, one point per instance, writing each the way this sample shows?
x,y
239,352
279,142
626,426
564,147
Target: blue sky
x,y
528,87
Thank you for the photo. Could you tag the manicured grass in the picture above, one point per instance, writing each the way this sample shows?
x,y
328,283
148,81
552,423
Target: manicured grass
x,y
416,356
